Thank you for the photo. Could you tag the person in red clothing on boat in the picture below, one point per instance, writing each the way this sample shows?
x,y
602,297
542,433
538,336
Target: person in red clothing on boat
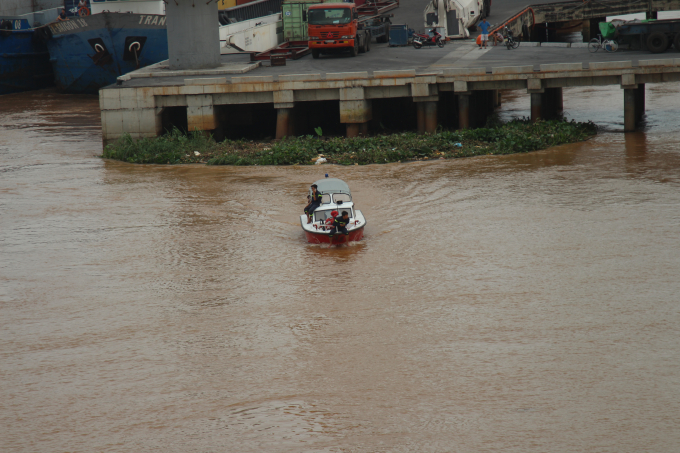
x,y
314,202
331,219
340,224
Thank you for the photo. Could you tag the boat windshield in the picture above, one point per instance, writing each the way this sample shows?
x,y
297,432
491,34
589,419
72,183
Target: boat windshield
x,y
326,213
329,16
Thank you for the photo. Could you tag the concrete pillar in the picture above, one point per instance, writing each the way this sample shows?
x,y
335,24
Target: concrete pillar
x,y
548,105
629,109
427,117
481,106
356,115
640,102
430,117
420,117
552,103
356,129
489,104
200,112
558,99
463,110
536,107
193,34
355,110
496,98
284,123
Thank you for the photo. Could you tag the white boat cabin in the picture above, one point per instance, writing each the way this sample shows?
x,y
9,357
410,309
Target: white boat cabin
x,y
334,202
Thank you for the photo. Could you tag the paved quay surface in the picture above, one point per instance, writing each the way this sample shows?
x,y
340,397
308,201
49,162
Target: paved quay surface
x,y
381,57
426,60
458,53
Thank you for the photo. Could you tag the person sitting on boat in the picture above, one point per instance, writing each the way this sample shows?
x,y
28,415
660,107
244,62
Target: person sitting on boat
x,y
62,15
314,202
340,224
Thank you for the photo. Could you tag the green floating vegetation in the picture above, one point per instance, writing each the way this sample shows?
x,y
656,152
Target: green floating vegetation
x,y
518,136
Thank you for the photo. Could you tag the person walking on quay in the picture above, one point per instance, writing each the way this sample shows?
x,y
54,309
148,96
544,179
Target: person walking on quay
x,y
484,26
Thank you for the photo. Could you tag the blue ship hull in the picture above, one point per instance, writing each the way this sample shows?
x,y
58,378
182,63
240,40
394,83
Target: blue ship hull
x,y
24,62
89,53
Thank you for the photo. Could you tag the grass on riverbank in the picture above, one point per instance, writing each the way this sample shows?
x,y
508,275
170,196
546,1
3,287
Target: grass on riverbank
x,y
517,136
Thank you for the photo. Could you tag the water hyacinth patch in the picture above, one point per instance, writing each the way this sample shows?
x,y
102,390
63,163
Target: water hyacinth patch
x,y
517,136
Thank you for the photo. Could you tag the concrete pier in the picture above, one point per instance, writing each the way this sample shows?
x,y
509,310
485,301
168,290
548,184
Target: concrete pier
x,y
462,97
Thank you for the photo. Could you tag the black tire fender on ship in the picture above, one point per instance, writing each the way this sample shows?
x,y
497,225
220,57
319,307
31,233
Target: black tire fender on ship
x,y
657,42
5,25
5,28
676,42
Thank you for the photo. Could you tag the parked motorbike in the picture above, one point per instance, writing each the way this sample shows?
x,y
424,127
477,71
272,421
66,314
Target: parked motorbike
x,y
421,39
509,39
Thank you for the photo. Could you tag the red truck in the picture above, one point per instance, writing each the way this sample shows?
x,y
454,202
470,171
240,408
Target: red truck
x,y
336,27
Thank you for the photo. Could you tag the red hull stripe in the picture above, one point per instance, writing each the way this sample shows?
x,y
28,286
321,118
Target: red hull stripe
x,y
320,238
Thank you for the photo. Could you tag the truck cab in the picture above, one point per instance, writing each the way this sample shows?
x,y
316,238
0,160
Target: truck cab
x,y
335,27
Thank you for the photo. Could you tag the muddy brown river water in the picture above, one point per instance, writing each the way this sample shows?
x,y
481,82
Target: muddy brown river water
x,y
525,303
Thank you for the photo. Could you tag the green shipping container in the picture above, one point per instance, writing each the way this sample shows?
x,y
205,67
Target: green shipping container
x,y
294,17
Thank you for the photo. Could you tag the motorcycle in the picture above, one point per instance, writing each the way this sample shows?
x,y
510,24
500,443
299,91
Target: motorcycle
x,y
510,41
421,39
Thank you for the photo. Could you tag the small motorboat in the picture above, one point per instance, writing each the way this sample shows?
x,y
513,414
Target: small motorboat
x,y
336,197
